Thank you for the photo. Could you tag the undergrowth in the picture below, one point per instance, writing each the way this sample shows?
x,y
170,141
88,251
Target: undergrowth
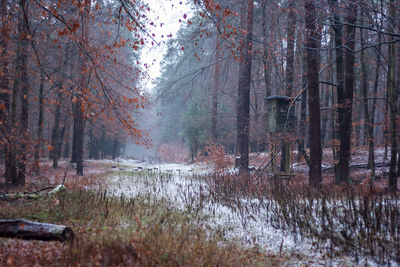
x,y
115,231
167,220
357,221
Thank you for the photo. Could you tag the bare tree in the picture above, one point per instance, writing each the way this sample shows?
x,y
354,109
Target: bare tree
x,y
243,100
312,44
393,95
345,98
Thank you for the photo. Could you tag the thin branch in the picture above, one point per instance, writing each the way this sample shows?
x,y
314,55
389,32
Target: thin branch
x,y
364,27
125,6
328,83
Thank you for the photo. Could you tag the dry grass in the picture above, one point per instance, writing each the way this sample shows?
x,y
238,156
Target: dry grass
x,y
115,231
147,231
359,220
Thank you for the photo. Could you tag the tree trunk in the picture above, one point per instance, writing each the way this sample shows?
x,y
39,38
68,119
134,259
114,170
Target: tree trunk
x,y
4,79
313,39
79,120
291,28
61,137
102,148
338,29
217,74
398,81
67,141
371,153
55,136
326,95
393,95
92,144
301,125
369,129
77,148
5,87
267,76
34,230
243,100
24,88
345,100
303,107
36,164
74,154
11,161
115,148
56,131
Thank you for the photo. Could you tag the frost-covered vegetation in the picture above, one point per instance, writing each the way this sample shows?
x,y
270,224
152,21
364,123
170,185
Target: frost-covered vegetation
x,y
280,217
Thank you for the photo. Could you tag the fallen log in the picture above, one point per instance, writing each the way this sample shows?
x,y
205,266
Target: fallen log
x,y
34,230
9,197
59,188
34,195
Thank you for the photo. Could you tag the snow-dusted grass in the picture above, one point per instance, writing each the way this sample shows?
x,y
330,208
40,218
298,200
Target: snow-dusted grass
x,y
278,222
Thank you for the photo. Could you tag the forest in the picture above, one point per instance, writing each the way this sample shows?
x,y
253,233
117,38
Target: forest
x,y
199,132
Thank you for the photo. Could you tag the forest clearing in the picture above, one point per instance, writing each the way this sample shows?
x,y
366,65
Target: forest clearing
x,y
132,212
199,133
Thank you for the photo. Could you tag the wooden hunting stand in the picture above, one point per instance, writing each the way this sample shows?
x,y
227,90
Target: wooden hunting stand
x,y
281,123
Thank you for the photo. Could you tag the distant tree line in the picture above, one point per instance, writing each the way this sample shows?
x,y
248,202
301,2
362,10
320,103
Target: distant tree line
x,y
339,61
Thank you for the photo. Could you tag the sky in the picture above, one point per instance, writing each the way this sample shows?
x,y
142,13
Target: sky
x,y
167,13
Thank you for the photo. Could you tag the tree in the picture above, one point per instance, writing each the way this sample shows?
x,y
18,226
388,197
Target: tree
x,y
55,135
36,36
78,105
217,76
196,128
36,164
24,115
369,117
345,95
267,72
274,70
291,30
312,41
244,83
393,96
16,158
5,86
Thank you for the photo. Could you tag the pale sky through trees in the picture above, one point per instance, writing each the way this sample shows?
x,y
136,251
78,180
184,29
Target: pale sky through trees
x,y
166,13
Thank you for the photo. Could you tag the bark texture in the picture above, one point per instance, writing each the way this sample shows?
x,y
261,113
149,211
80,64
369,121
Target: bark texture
x,y
243,100
345,100
393,95
78,105
312,43
215,89
338,29
24,90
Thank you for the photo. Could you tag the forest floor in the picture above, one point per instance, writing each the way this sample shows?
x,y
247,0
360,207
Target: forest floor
x,y
126,212
114,231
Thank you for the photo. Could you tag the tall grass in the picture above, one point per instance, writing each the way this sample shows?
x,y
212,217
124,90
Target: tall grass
x,y
116,231
344,220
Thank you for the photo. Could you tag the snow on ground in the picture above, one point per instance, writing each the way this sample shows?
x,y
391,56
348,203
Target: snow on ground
x,y
252,227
